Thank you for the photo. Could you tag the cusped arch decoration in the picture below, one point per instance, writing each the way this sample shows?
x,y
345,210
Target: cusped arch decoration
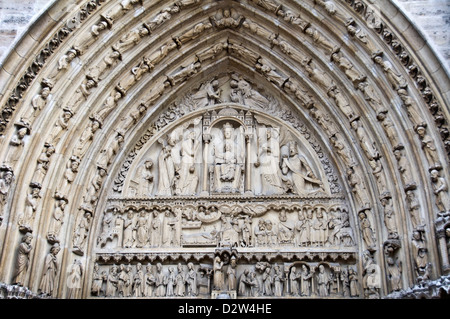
x,y
89,90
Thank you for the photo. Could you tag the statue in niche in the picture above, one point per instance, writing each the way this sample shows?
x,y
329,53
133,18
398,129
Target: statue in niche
x,y
353,282
155,230
48,279
170,238
303,179
57,218
109,104
124,282
323,282
228,158
187,178
246,232
112,284
171,280
394,274
243,287
192,282
128,230
141,230
166,168
97,280
440,190
389,216
107,154
23,260
305,281
27,217
138,281
303,228
267,280
293,281
291,18
268,162
219,277
260,233
257,29
278,281
91,197
180,281
160,281
149,281
318,228
145,179
231,274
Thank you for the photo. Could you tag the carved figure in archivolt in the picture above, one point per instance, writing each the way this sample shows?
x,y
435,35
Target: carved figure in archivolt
x,y
440,190
57,218
302,177
6,179
22,259
228,155
81,233
227,18
27,217
48,279
43,163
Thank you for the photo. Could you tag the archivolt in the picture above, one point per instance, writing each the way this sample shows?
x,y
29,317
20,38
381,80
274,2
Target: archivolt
x,y
124,65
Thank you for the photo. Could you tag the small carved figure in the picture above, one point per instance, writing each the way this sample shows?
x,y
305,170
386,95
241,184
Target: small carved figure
x,y
243,288
440,189
394,270
48,279
31,201
81,233
112,284
22,260
57,218
192,282
138,281
293,281
219,277
74,279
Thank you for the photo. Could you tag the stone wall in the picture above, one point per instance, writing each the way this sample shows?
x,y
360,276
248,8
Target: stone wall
x,y
432,17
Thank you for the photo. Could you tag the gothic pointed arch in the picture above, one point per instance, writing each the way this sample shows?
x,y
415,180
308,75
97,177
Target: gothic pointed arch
x,y
263,148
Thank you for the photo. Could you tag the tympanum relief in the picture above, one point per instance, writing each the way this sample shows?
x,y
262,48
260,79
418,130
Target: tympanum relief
x,y
226,186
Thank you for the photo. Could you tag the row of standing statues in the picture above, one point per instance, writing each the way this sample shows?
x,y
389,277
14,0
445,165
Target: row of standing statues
x,y
189,280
